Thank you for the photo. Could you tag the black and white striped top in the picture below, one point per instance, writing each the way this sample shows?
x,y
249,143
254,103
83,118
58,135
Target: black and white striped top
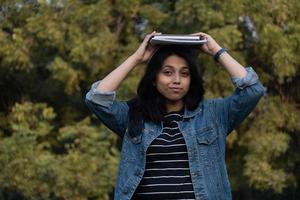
x,y
167,172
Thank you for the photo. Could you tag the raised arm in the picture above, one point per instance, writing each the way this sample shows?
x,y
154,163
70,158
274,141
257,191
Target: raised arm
x,y
232,110
112,81
101,97
234,68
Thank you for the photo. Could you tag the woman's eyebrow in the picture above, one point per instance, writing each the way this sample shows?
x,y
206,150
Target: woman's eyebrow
x,y
185,67
167,66
170,66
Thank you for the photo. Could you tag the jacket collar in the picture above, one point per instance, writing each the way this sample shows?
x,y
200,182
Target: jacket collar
x,y
192,113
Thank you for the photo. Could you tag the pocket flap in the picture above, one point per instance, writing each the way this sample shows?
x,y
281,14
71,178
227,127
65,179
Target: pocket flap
x,y
136,139
207,136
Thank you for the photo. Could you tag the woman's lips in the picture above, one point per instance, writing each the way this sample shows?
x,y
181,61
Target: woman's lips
x,y
175,89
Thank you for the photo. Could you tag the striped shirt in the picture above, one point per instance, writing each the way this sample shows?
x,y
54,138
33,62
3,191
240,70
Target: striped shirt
x,y
167,172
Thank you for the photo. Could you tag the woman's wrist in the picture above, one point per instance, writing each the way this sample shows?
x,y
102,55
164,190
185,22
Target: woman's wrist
x,y
218,54
135,60
215,50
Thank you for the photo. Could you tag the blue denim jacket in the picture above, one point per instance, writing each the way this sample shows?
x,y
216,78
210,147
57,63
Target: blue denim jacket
x,y
204,130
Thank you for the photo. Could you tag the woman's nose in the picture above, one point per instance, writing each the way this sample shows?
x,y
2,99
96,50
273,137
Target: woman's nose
x,y
176,78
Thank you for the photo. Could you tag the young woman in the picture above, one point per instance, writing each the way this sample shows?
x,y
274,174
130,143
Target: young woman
x,y
173,141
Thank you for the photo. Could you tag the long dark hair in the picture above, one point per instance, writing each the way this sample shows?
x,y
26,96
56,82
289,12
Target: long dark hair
x,y
149,104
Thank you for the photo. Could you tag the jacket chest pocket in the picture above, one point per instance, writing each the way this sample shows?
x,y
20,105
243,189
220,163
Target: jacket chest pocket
x,y
206,136
131,147
208,148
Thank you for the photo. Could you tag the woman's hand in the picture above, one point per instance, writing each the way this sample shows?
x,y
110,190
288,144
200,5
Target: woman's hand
x,y
145,51
211,47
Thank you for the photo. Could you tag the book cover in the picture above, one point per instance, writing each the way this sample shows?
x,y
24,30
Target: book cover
x,y
177,39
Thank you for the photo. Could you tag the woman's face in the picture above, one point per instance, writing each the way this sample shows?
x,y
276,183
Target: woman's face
x,y
173,79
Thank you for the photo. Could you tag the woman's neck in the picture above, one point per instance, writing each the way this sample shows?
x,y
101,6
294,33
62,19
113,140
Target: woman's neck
x,y
174,106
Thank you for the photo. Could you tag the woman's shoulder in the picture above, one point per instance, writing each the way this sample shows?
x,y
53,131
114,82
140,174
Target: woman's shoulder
x,y
211,103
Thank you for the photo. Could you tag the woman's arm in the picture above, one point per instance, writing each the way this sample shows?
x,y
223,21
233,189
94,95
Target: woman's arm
x,y
232,110
101,97
211,47
112,81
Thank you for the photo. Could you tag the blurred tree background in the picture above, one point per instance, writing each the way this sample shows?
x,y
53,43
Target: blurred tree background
x,y
51,51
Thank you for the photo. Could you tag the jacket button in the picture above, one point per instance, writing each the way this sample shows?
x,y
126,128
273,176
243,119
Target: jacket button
x,y
125,191
135,139
195,173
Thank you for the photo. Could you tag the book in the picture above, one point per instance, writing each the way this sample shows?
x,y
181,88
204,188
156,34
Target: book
x,y
177,39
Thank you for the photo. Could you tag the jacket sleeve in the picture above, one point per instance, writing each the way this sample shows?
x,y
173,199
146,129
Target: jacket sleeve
x,y
112,113
232,110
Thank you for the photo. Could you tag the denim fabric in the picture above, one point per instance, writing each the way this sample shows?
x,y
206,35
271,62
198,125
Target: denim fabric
x,y
204,130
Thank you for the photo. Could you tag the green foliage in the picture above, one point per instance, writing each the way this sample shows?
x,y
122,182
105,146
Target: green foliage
x,y
267,143
83,169
64,73
51,52
89,168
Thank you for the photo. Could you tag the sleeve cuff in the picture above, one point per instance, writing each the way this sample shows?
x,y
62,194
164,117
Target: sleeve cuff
x,y
250,79
101,98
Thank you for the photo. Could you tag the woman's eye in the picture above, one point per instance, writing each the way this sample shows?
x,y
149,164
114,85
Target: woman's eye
x,y
167,73
185,74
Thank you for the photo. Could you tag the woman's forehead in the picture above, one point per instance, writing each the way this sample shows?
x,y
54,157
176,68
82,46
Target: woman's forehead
x,y
174,60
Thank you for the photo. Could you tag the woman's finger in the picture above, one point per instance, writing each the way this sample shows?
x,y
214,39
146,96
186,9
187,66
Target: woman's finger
x,y
199,33
148,37
202,35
